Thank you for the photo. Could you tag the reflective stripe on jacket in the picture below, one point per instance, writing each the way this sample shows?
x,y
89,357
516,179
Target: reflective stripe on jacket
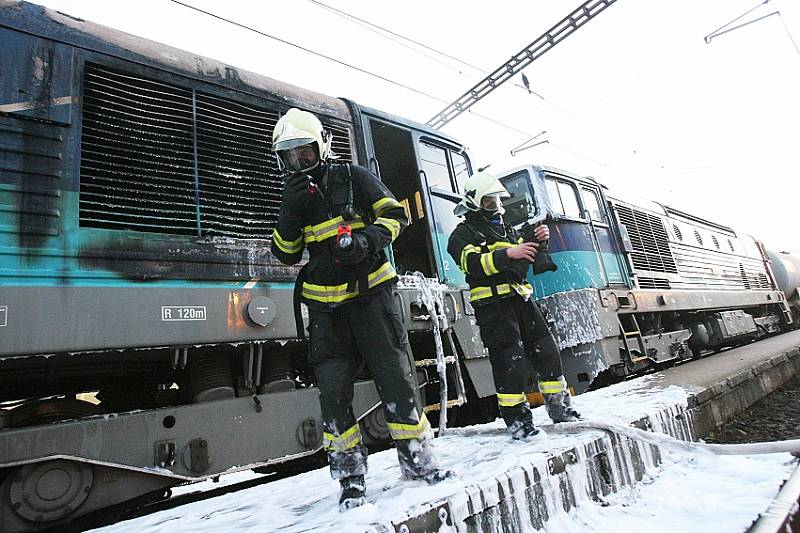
x,y
481,255
378,216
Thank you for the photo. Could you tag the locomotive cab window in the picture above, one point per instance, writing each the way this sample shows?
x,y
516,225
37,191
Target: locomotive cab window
x,y
460,169
592,206
521,206
433,162
443,168
563,198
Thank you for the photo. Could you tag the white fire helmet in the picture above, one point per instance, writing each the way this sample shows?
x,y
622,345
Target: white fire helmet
x,y
477,187
294,133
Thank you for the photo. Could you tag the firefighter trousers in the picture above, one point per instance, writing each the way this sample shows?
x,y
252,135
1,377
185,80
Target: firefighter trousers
x,y
517,337
368,332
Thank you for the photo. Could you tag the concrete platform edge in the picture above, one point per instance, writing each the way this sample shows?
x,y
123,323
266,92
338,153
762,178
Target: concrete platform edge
x,y
716,405
524,498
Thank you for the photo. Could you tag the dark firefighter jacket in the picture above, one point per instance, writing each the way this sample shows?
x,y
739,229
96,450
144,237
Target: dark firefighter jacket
x,y
480,252
379,217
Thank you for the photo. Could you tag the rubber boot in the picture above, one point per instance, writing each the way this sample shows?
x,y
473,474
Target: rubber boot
x,y
353,494
559,407
525,430
418,461
438,475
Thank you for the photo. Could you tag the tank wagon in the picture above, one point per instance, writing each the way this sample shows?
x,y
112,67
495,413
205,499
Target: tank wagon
x,y
641,284
147,334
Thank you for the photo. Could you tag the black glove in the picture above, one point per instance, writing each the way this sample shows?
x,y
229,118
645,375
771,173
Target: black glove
x,y
543,262
353,254
528,233
295,194
517,270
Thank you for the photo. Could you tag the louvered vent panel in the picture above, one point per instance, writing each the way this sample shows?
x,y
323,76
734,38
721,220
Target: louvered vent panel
x,y
240,185
745,278
753,279
138,164
136,154
653,283
649,239
340,143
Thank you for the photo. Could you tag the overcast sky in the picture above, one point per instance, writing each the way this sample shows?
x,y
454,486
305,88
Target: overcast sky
x,y
635,98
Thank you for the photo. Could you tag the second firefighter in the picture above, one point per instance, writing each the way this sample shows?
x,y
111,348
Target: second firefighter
x,y
496,261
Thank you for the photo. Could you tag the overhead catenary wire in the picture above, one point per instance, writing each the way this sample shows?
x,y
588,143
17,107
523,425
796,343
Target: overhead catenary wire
x,y
789,33
364,22
556,34
375,27
423,93
384,78
343,63
738,26
719,31
726,28
308,50
527,144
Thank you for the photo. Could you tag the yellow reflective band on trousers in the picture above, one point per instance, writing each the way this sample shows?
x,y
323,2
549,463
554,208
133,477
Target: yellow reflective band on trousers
x,y
487,262
289,247
391,224
410,431
385,204
329,228
338,293
552,387
511,400
468,249
340,443
479,293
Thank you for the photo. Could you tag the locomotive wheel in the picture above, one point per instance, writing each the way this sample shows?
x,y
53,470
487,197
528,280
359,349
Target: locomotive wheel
x,y
374,428
51,490
51,410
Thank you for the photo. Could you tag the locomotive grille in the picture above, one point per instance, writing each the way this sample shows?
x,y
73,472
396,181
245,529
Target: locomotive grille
x,y
160,158
649,239
240,186
653,283
752,279
136,154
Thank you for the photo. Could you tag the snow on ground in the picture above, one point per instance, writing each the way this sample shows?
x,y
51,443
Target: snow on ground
x,y
686,493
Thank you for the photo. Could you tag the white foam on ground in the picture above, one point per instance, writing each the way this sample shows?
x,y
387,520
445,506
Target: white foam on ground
x,y
686,493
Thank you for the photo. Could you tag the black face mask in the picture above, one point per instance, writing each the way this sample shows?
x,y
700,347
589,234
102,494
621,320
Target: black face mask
x,y
493,217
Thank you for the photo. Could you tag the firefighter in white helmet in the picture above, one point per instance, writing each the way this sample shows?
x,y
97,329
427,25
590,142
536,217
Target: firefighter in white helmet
x,y
496,262
346,217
